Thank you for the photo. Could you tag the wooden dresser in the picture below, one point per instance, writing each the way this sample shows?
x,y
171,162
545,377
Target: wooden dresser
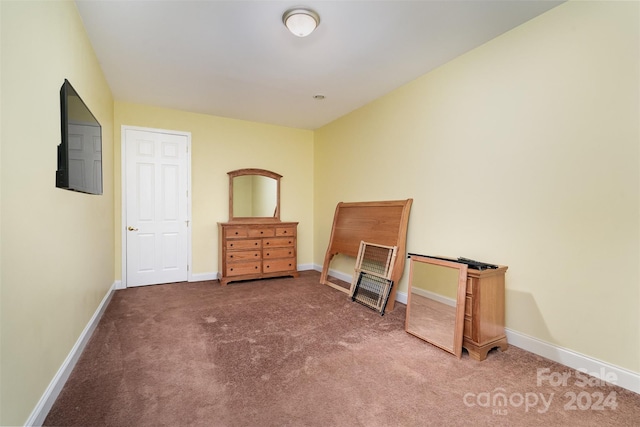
x,y
484,312
257,250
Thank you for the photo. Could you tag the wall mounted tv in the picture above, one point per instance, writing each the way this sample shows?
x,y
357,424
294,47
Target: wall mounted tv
x,y
80,152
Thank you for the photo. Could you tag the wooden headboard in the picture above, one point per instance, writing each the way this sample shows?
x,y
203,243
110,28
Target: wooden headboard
x,y
383,223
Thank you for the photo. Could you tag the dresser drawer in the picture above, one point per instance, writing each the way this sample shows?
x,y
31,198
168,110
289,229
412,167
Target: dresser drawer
x,y
241,268
276,265
262,232
244,244
279,242
285,231
238,256
236,232
272,253
468,306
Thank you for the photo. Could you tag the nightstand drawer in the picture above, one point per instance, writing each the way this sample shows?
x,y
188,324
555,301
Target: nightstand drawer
x,y
468,328
471,285
468,306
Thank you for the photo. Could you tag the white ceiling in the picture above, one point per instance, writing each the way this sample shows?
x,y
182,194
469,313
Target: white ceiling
x,y
236,59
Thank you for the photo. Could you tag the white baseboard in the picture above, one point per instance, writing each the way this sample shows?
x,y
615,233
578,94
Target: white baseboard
x,y
400,296
597,368
54,388
435,297
337,274
119,285
624,378
203,277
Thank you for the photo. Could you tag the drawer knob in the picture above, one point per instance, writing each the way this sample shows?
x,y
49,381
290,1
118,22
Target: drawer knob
x,y
230,256
231,245
268,254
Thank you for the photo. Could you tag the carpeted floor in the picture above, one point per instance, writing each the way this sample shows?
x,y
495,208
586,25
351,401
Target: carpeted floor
x,y
292,352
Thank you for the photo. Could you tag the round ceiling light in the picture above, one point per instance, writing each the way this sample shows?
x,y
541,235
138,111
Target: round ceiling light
x,y
301,22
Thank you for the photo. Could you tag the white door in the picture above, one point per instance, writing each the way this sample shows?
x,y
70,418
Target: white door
x,y
157,202
85,157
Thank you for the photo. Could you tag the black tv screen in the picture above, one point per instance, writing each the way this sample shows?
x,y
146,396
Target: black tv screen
x,y
80,152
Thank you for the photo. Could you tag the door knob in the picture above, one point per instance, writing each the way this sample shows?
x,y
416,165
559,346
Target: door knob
x,y
130,228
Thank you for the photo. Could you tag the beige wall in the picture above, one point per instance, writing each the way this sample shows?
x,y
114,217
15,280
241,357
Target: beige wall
x,y
523,152
220,145
57,245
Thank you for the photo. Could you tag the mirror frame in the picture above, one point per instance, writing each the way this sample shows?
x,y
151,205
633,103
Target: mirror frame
x,y
460,302
260,172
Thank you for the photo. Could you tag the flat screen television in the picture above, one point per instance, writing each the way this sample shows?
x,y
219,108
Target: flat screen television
x,y
80,152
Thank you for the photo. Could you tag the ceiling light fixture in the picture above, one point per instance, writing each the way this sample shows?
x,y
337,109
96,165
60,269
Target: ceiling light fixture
x,y
301,22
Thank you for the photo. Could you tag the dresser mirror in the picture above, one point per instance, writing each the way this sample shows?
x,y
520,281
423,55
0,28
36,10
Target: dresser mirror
x,y
436,302
254,194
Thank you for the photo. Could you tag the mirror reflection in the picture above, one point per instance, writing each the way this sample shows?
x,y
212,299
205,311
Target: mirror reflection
x,y
435,307
254,196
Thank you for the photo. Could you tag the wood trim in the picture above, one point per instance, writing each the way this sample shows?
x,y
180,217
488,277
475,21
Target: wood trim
x,y
253,171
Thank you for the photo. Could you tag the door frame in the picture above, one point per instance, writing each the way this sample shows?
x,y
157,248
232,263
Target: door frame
x,y
123,196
